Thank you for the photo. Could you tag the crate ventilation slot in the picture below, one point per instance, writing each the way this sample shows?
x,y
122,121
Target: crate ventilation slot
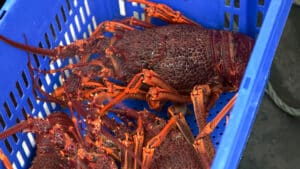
x,y
63,14
231,18
68,5
261,2
2,13
236,3
2,122
13,99
259,19
7,110
58,23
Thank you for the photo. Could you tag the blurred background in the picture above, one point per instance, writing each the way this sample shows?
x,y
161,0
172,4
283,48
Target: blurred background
x,y
275,137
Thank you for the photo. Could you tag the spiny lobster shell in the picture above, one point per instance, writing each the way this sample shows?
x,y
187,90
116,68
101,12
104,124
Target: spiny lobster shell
x,y
183,55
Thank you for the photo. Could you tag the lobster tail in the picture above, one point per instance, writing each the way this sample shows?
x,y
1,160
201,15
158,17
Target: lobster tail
x,y
28,48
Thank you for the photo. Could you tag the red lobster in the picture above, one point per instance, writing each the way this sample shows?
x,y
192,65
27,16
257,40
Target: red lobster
x,y
182,62
59,146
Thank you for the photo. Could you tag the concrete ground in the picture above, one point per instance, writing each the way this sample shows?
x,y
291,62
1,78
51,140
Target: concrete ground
x,y
274,141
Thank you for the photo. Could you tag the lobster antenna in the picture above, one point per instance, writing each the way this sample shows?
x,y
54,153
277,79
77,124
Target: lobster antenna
x,y
28,48
17,128
20,126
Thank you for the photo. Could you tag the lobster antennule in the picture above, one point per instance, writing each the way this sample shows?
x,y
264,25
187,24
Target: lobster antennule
x,y
28,48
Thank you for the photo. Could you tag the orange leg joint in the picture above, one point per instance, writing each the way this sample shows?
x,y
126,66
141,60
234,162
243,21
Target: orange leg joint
x,y
110,26
209,128
163,12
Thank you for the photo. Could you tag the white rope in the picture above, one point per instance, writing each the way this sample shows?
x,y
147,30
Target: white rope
x,y
281,104
272,93
276,99
297,2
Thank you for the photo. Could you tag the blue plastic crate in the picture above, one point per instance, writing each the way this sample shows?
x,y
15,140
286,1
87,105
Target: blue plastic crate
x,y
50,23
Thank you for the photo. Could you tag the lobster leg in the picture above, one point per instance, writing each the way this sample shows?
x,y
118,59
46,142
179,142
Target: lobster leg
x,y
182,124
163,12
110,26
99,92
199,96
148,150
123,25
112,153
203,146
148,77
7,164
127,160
209,127
99,95
132,21
160,92
74,120
138,142
109,53
156,95
121,145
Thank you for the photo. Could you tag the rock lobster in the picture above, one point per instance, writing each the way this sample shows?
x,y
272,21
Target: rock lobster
x,y
59,146
181,62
